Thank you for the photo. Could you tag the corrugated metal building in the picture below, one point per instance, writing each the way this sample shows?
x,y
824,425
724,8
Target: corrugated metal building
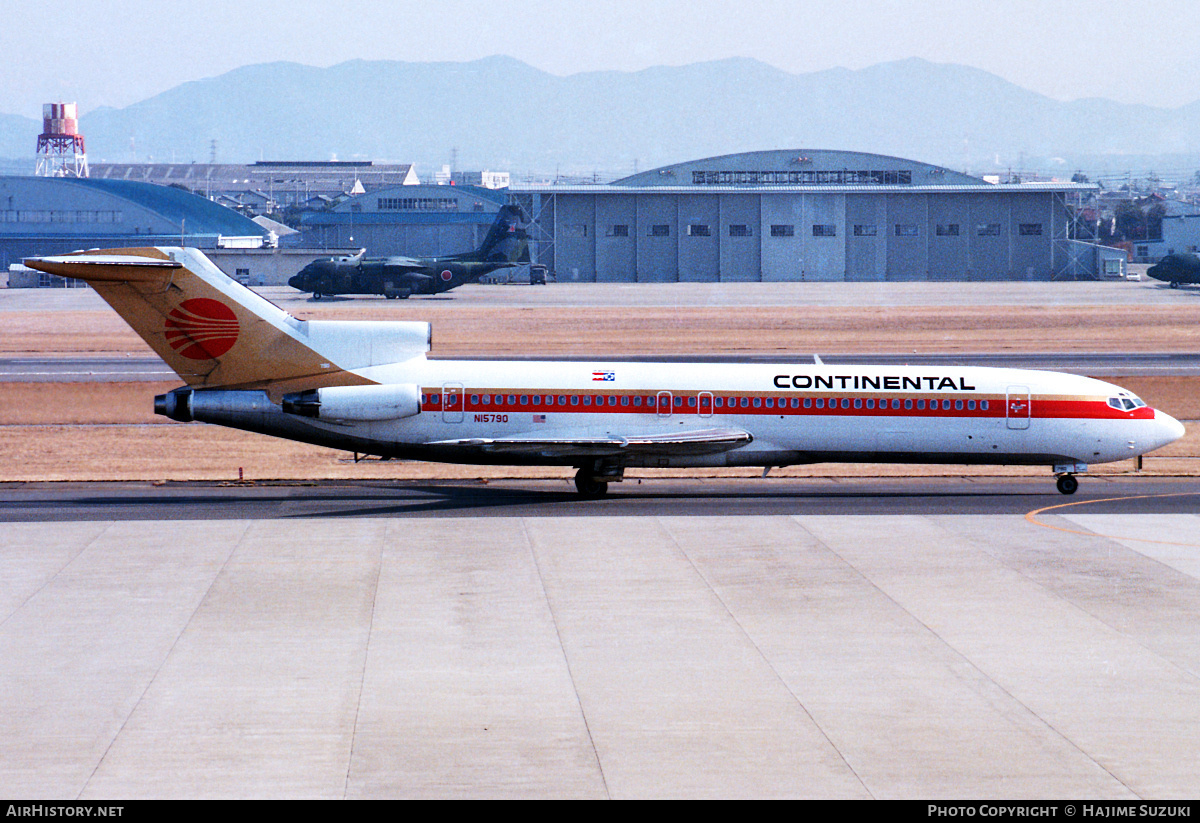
x,y
421,220
275,183
803,215
51,215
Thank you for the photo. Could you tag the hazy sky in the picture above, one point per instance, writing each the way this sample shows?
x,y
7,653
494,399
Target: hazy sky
x,y
104,53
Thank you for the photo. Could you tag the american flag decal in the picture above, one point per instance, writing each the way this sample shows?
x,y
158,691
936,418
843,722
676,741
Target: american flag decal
x,y
606,376
539,418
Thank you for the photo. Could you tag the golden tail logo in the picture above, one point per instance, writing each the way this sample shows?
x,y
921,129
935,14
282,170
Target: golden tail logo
x,y
201,328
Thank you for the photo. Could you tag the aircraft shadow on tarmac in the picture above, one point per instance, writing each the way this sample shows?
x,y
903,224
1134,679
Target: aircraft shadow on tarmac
x,y
653,499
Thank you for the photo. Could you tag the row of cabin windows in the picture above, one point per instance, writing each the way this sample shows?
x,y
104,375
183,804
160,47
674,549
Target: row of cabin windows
x,y
826,230
691,402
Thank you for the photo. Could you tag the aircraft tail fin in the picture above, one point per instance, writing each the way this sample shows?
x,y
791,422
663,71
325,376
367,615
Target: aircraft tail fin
x,y
214,332
505,241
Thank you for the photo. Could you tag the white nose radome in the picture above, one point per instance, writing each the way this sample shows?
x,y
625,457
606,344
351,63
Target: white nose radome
x,y
1166,429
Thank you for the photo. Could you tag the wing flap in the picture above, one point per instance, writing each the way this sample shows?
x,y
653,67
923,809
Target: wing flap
x,y
693,442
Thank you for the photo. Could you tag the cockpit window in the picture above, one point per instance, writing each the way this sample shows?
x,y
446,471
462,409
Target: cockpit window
x,y
1126,402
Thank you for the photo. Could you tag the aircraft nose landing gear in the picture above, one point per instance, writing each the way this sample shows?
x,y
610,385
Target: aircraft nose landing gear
x,y
1067,484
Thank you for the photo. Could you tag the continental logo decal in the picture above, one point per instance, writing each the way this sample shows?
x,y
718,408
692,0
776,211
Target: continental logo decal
x,y
863,382
201,328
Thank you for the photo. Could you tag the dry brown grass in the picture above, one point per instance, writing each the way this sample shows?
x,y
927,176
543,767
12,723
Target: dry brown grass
x,y
611,332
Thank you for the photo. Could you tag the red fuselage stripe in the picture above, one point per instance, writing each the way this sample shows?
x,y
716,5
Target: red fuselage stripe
x,y
725,403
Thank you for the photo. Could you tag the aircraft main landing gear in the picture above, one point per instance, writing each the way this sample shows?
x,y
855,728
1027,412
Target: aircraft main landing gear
x,y
588,486
592,481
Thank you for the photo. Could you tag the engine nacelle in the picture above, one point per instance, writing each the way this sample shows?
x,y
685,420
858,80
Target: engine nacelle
x,y
356,403
224,406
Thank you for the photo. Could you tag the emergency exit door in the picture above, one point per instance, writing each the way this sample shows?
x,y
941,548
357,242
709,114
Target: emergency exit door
x,y
1018,407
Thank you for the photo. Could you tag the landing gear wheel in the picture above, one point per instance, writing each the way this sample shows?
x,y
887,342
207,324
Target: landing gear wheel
x,y
316,295
1067,484
588,486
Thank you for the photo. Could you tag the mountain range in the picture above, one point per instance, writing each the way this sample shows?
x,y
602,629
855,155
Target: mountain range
x,y
500,113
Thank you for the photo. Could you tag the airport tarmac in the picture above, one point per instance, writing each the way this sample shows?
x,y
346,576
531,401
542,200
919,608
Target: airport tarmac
x,y
956,637
1142,292
933,647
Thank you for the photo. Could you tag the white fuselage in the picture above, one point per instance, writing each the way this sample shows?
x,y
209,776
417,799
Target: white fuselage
x,y
794,413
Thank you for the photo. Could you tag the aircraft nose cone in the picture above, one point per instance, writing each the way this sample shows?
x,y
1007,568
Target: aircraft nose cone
x,y
1169,428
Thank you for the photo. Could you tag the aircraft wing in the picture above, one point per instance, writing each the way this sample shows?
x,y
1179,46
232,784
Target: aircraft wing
x,y
695,441
405,264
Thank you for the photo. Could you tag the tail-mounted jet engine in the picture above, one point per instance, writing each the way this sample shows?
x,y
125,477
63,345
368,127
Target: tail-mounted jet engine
x,y
356,403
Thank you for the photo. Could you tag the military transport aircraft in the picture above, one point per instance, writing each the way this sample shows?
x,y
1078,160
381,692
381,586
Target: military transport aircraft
x,y
368,387
1177,269
505,245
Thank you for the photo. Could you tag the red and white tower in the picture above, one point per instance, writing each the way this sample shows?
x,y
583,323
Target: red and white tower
x,y
60,151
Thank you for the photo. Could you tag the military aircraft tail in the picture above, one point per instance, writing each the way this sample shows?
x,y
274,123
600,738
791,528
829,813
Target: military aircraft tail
x,y
505,242
214,332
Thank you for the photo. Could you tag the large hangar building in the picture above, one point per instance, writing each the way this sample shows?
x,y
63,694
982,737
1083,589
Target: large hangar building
x,y
53,215
420,220
807,215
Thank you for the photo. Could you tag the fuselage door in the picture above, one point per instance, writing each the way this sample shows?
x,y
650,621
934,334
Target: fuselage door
x,y
664,404
706,404
1019,407
452,403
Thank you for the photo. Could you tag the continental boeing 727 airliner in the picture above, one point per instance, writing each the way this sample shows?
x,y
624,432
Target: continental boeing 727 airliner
x,y
368,387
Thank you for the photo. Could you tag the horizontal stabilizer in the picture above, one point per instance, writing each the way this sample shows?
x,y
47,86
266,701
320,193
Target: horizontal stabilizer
x,y
109,268
696,441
